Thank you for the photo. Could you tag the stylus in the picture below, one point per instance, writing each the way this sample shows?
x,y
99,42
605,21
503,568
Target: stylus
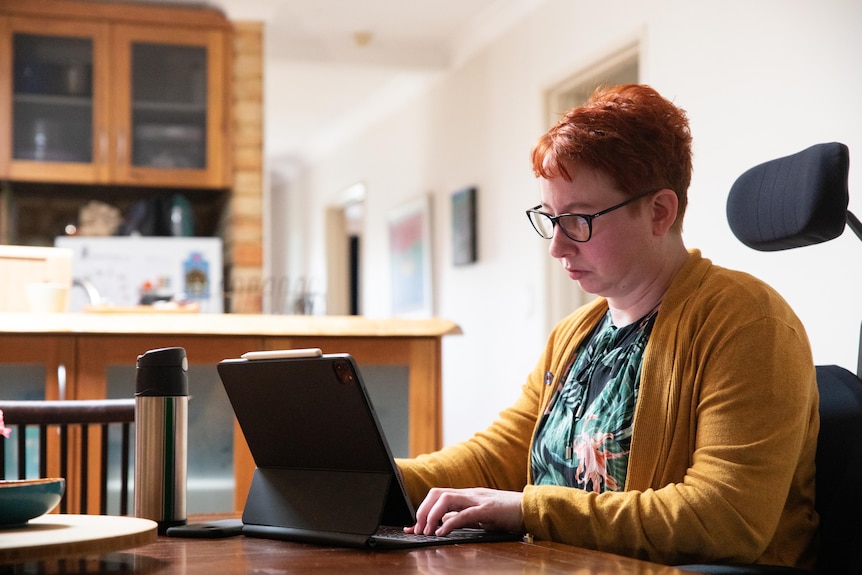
x,y
282,354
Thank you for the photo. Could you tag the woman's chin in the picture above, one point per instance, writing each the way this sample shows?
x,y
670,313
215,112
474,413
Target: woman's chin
x,y
585,284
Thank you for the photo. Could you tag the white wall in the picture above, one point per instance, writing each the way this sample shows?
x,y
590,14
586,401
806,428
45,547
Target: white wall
x,y
759,79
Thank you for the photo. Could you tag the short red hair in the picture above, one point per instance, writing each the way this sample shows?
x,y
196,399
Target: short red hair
x,y
631,134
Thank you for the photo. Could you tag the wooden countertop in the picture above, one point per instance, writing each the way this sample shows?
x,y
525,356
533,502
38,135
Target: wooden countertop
x,y
222,324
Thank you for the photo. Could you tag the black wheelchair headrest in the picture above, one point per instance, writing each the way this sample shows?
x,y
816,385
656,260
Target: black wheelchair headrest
x,y
794,201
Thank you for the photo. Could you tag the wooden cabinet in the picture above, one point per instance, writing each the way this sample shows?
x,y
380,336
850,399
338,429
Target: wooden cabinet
x,y
97,93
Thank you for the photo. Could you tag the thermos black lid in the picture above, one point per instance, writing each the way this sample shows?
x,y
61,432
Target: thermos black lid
x,y
162,372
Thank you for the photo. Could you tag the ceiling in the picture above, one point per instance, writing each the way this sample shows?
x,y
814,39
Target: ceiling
x,y
335,66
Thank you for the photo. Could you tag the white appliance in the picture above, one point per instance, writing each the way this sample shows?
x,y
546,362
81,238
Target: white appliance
x,y
122,269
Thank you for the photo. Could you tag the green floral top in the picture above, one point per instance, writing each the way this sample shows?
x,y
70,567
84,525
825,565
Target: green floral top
x,y
584,437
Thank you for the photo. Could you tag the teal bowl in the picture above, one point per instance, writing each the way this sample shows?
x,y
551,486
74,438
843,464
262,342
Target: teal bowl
x,y
24,499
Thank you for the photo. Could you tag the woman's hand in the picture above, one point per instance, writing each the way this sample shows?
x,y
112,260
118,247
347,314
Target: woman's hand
x,y
446,509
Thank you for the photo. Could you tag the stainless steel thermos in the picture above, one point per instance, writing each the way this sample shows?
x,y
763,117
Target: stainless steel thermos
x,y
161,436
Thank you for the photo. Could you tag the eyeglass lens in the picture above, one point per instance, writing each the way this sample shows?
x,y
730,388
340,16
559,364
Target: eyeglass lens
x,y
575,226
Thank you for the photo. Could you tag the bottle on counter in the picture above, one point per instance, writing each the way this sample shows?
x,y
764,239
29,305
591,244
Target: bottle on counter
x,y
161,436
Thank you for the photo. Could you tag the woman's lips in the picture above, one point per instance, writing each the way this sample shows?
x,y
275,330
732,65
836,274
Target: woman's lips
x,y
573,272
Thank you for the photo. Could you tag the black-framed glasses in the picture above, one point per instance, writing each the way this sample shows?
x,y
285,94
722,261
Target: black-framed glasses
x,y
577,227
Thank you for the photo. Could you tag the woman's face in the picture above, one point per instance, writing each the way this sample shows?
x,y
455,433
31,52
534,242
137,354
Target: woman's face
x,y
612,263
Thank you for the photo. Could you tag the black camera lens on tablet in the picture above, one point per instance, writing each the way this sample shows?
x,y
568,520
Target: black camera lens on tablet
x,y
343,371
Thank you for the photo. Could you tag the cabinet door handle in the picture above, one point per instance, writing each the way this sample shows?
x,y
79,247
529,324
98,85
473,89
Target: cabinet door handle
x,y
61,381
121,148
103,147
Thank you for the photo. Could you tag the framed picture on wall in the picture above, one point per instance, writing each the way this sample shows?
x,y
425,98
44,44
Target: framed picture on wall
x,y
410,259
464,227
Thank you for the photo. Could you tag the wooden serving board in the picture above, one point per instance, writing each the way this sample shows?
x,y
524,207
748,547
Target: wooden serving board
x,y
57,535
169,307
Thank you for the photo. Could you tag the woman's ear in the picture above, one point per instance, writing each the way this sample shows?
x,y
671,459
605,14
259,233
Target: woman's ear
x,y
664,208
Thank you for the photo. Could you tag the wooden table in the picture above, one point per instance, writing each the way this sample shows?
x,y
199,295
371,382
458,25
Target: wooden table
x,y
83,345
242,555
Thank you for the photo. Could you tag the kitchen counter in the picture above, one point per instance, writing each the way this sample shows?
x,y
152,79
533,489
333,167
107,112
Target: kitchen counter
x,y
77,349
153,322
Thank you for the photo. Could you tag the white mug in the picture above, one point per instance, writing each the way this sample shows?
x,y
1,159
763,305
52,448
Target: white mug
x,y
47,297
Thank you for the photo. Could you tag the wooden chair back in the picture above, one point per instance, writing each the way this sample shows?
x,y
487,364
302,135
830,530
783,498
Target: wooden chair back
x,y
73,443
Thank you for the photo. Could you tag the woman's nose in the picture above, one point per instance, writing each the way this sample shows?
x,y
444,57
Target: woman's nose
x,y
560,244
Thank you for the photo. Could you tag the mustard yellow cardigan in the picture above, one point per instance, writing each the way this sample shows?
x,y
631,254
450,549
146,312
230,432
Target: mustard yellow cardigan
x,y
721,467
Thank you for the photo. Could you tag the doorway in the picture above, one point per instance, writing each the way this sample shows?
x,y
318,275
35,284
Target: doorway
x,y
344,223
353,216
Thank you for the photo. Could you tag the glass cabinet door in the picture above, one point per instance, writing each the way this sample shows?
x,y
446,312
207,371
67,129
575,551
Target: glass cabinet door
x,y
56,115
52,98
169,106
170,120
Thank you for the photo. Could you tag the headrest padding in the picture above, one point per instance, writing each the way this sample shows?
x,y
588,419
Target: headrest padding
x,y
794,201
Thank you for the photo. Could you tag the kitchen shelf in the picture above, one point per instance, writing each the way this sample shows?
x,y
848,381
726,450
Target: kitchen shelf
x,y
53,100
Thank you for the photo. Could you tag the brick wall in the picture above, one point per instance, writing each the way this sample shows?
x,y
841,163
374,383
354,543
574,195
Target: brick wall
x,y
243,219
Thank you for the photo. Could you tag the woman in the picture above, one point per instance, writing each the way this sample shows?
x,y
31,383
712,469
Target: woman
x,y
675,417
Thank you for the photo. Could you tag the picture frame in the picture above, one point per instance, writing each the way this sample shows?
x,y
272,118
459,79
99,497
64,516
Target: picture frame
x,y
464,240
409,228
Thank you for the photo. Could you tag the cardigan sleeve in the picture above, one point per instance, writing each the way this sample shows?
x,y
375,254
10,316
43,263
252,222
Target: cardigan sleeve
x,y
493,458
